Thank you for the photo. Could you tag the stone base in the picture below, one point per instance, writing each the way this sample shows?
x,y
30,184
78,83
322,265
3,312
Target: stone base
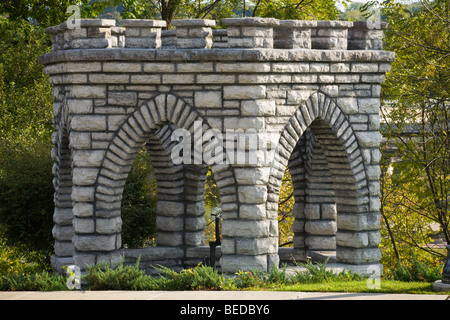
x,y
439,286
372,271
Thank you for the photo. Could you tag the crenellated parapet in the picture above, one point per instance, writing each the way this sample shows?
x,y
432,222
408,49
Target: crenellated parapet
x,y
240,33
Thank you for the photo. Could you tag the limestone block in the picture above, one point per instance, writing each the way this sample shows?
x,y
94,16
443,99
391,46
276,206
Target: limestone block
x,y
169,223
244,92
256,246
246,228
63,216
171,239
258,108
252,176
357,255
348,105
169,208
194,238
83,209
320,243
252,194
321,227
252,212
108,226
369,105
358,222
299,210
369,139
83,225
312,211
328,211
352,239
63,249
84,176
194,224
236,263
62,233
95,242
208,99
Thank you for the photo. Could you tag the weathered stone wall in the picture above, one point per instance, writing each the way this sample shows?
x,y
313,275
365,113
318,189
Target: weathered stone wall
x,y
117,89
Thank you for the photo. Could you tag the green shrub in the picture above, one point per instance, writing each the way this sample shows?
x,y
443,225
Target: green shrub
x,y
26,189
104,277
317,273
199,278
255,278
26,194
32,282
419,271
139,204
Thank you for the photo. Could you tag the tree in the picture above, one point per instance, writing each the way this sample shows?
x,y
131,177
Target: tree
x,y
296,9
47,13
416,113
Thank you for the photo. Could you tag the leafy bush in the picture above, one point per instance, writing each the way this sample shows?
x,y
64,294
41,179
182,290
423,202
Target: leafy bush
x,y
199,278
103,277
20,260
32,282
419,271
255,278
139,204
316,273
26,190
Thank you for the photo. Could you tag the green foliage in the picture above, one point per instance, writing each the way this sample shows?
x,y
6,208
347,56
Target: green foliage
x,y
317,273
104,277
25,94
26,193
418,271
285,214
297,10
139,204
416,113
32,282
255,278
19,259
199,278
51,12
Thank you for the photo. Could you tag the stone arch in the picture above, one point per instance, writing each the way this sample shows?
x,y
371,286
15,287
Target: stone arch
x,y
321,116
151,124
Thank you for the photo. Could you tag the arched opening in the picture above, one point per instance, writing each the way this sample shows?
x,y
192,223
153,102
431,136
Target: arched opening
x,y
329,184
139,203
180,210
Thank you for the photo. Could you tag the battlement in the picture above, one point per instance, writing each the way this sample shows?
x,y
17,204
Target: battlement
x,y
243,33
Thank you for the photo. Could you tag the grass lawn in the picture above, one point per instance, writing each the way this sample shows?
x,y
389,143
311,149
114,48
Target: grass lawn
x,y
386,286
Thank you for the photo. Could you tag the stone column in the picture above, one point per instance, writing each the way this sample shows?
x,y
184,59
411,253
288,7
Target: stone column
x,y
194,34
251,239
142,33
250,32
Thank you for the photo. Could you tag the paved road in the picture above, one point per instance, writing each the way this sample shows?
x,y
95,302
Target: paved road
x,y
209,295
